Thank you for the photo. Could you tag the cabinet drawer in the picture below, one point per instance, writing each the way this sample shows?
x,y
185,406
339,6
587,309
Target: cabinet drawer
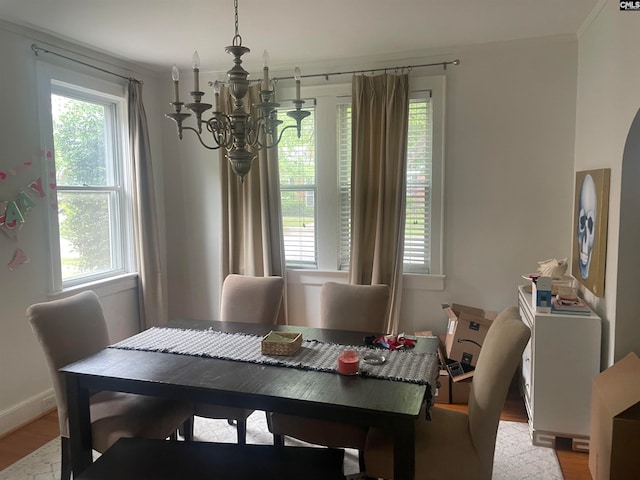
x,y
526,371
525,312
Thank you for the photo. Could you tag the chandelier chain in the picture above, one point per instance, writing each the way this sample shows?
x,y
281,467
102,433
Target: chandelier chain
x,y
237,39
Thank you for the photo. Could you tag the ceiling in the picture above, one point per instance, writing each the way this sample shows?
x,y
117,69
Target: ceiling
x,y
160,33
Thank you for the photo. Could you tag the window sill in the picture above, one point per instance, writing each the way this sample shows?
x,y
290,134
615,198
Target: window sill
x,y
410,281
103,288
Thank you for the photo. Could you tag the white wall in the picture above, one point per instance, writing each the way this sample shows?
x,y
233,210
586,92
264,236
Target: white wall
x,y
25,386
510,120
508,172
608,102
192,189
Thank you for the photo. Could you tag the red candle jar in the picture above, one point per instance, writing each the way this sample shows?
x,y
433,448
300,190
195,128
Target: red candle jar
x,y
348,362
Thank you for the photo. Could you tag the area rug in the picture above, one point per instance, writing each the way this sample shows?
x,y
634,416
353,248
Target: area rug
x,y
515,459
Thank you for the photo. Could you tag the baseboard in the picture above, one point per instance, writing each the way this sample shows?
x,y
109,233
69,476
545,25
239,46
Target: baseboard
x,y
26,411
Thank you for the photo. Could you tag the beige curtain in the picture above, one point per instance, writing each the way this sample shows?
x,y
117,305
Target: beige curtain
x,y
152,288
251,213
379,132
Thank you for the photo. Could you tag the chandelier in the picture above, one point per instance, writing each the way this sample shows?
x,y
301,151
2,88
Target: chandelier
x,y
238,131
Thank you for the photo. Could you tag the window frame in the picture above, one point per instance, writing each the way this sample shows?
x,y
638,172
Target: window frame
x,y
56,79
327,97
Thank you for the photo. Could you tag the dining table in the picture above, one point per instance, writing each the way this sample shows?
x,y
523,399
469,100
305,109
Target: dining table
x,y
360,399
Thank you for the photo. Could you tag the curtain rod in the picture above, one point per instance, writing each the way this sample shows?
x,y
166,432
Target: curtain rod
x,y
372,70
36,49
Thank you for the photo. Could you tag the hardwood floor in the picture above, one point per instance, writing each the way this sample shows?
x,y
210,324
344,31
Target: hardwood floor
x,y
32,436
26,439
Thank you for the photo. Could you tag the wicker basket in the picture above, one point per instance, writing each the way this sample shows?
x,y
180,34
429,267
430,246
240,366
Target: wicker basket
x,y
281,343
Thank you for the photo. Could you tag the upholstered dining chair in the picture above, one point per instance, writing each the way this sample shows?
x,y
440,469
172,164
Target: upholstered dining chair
x,y
250,300
361,308
457,444
73,328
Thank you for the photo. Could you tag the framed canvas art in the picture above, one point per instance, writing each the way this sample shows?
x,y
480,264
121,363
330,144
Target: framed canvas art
x,y
590,228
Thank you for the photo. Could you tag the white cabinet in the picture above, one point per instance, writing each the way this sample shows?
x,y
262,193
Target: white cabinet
x,y
558,366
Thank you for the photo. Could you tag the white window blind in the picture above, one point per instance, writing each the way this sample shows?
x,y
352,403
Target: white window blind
x,y
297,165
417,232
417,245
344,183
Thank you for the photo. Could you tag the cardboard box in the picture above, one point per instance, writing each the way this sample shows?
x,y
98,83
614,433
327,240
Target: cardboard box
x,y
466,330
615,421
460,391
452,390
443,393
541,294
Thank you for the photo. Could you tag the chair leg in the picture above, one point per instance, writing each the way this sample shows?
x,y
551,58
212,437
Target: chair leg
x,y
186,429
65,450
278,440
361,464
241,425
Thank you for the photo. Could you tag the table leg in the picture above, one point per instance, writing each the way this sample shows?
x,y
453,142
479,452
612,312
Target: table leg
x,y
79,425
404,455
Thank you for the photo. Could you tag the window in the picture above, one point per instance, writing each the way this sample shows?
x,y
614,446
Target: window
x,y
297,162
90,223
328,154
418,185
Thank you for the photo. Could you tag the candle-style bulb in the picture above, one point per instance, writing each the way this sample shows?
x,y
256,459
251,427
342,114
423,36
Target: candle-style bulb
x,y
216,95
297,75
196,71
175,76
265,71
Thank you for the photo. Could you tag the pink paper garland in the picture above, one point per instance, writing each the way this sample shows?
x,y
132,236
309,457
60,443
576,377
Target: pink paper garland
x,y
18,259
12,212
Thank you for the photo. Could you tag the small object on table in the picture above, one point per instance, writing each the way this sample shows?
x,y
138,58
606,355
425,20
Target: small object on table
x,y
281,343
391,342
348,362
374,359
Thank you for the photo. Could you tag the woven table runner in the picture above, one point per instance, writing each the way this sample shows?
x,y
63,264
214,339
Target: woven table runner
x,y
400,365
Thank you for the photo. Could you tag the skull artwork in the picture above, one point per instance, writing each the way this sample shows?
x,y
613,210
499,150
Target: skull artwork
x,y
586,224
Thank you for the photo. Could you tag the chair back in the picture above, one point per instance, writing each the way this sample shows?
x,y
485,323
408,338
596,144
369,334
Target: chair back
x,y
68,330
499,357
251,299
361,308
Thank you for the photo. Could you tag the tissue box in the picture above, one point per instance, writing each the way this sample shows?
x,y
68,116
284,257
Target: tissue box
x,y
541,294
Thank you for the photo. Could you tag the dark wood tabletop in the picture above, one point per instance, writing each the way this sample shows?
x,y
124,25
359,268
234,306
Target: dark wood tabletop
x,y
350,399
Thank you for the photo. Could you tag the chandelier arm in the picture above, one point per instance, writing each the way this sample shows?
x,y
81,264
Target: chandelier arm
x,y
253,134
219,127
200,139
268,128
256,145
282,132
